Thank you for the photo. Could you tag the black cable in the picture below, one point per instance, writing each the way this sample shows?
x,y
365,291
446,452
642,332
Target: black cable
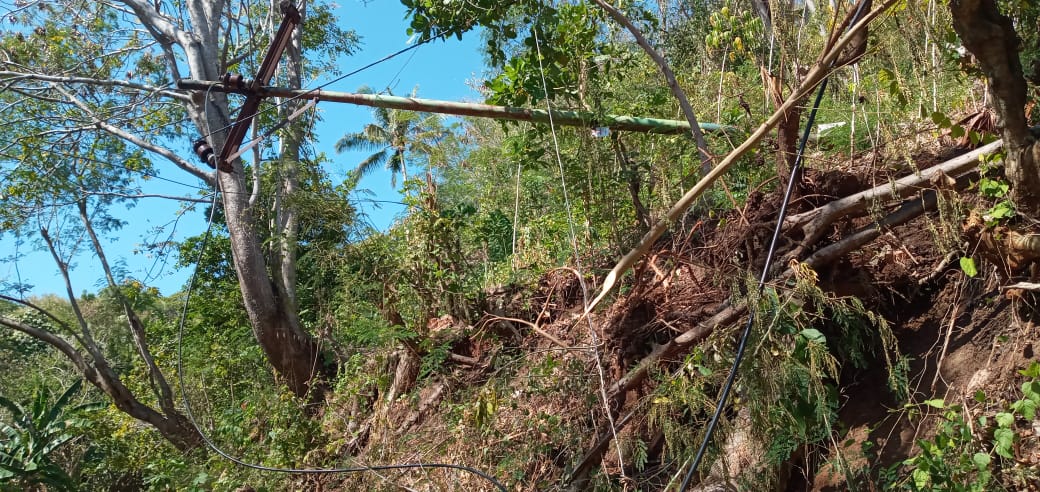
x,y
312,471
781,215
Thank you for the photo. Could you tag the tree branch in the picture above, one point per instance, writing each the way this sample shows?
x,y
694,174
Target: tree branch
x,y
160,386
814,223
14,76
208,177
87,337
50,339
160,26
669,76
55,319
811,80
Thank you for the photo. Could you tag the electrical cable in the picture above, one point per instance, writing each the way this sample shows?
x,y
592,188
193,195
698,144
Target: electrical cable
x,y
317,89
763,278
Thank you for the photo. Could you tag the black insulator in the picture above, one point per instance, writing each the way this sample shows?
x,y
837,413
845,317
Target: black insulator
x,y
288,8
205,152
234,80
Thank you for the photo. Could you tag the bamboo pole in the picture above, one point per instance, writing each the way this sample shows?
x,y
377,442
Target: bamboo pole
x,y
559,117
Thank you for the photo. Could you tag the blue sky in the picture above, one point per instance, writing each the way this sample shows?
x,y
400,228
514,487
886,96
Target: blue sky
x,y
441,70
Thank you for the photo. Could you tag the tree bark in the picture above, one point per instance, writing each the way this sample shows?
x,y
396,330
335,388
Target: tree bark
x,y
173,426
990,35
269,304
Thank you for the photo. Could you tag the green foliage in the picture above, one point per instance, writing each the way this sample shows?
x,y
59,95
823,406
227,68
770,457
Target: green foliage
x,y
804,340
968,266
972,456
33,433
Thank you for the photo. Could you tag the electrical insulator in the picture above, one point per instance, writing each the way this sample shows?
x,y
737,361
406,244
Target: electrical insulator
x,y
205,152
234,80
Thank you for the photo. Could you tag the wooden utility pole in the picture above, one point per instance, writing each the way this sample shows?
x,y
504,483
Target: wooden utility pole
x,y
290,21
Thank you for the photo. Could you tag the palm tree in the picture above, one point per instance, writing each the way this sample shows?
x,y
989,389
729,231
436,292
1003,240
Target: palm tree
x,y
395,137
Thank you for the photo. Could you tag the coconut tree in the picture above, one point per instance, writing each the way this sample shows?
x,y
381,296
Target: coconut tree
x,y
396,138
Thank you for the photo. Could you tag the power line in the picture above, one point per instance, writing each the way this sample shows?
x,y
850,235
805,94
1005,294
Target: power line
x,y
770,253
314,90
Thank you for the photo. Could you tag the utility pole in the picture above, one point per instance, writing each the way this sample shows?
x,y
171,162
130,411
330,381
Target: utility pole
x,y
290,21
256,92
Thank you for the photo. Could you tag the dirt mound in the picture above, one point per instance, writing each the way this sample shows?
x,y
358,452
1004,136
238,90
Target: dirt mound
x,y
540,387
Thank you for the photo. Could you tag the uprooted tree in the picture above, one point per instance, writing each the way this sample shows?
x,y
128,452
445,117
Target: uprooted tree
x,y
77,118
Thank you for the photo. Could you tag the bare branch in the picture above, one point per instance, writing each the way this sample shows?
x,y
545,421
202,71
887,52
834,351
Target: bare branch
x,y
160,386
50,339
669,76
533,327
140,142
814,223
812,79
160,26
61,324
87,337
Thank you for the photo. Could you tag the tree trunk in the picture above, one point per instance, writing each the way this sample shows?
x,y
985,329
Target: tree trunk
x,y
292,353
172,425
990,36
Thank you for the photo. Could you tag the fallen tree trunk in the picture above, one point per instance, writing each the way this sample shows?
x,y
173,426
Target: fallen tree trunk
x,y
814,223
729,313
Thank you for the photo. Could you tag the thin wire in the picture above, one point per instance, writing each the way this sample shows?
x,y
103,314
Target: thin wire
x,y
781,215
577,263
209,442
404,65
333,81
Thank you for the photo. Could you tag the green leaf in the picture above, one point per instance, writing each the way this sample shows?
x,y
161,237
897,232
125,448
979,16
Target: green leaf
x,y
1004,419
1002,210
1003,440
1031,390
993,188
981,461
937,403
813,335
1033,371
921,478
1025,407
968,266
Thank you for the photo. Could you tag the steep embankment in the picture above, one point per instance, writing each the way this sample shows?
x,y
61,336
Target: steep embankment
x,y
869,334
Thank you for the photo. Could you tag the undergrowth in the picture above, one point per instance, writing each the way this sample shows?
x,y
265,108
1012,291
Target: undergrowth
x,y
787,392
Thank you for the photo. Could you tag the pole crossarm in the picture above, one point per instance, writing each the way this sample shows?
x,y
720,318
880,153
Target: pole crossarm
x,y
560,117
222,161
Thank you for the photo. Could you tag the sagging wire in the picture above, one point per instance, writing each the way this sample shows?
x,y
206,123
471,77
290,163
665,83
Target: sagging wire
x,y
577,262
764,277
241,462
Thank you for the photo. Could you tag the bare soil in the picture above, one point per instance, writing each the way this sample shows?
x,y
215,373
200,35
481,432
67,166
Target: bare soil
x,y
961,335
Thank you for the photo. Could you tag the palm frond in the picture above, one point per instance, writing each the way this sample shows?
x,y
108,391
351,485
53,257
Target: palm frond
x,y
371,162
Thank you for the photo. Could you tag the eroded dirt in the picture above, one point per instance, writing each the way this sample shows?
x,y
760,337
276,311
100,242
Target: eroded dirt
x,y
528,376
